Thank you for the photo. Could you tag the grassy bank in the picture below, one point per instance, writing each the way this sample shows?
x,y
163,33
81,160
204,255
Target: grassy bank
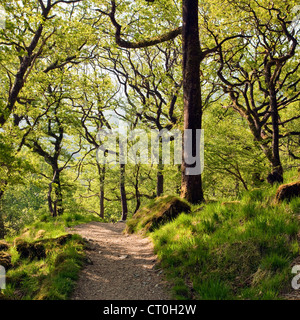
x,y
231,250
51,275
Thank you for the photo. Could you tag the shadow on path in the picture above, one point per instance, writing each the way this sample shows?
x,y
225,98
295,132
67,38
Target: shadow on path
x,y
123,266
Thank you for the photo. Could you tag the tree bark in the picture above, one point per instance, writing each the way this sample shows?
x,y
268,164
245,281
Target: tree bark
x,y
123,192
136,188
160,180
58,193
52,208
101,172
277,170
140,44
191,186
160,168
55,206
2,226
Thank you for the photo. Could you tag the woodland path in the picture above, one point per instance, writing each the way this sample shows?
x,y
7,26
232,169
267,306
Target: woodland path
x,y
122,266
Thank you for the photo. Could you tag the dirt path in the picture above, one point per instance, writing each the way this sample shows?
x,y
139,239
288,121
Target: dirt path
x,y
123,267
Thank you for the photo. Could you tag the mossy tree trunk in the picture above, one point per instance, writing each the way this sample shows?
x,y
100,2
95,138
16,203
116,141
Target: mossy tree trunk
x,y
55,205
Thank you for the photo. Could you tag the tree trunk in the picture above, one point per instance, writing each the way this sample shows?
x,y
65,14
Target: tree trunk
x,y
160,180
58,194
2,226
191,185
160,176
138,200
101,173
178,182
277,170
137,191
55,207
52,208
123,192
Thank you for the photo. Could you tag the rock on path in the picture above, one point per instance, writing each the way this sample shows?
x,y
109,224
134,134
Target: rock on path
x,y
122,266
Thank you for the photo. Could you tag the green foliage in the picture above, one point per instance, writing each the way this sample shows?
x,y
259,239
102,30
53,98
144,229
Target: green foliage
x,y
21,205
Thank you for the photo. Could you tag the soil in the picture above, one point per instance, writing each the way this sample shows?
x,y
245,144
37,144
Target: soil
x,y
122,267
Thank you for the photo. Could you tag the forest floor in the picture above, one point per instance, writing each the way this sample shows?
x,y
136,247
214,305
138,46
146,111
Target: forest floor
x,y
123,267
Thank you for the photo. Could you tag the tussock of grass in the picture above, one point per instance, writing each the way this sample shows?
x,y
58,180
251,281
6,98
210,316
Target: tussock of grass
x,y
237,250
156,213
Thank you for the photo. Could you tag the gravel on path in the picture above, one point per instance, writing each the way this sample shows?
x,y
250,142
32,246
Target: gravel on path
x,y
122,267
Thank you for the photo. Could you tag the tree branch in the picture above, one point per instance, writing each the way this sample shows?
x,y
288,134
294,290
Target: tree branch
x,y
143,43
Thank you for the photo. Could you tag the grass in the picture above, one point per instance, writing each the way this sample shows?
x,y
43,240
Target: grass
x,y
53,277
235,250
224,250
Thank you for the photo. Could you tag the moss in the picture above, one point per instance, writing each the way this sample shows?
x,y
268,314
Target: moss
x,y
63,239
288,191
157,213
4,246
5,260
38,249
31,250
53,277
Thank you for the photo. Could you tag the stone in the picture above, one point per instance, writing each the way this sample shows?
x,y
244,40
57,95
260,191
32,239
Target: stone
x,y
288,191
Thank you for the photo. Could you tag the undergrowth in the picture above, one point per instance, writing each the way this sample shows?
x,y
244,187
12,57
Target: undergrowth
x,y
239,249
231,251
